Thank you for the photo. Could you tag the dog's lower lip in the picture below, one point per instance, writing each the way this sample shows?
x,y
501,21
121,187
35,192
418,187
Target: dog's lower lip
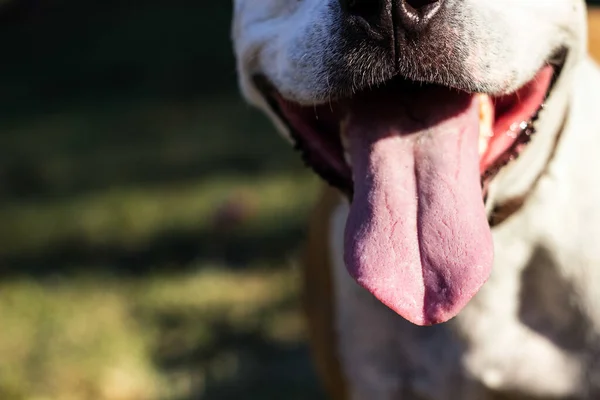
x,y
324,152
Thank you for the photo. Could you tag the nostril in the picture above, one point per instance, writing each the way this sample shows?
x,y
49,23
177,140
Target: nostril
x,y
415,15
368,9
418,4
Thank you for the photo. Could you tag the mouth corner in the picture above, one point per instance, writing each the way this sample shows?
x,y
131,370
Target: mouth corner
x,y
315,135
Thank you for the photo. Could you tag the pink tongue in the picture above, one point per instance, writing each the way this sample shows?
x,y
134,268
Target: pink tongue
x,y
417,236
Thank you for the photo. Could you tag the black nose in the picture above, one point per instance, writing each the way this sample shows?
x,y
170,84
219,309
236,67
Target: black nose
x,y
411,15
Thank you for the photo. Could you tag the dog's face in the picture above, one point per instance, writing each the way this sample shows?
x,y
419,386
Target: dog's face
x,y
410,107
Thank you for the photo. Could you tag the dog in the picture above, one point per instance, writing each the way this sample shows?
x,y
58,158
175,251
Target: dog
x,y
457,253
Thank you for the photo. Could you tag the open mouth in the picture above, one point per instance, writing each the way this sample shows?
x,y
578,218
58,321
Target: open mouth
x,y
416,159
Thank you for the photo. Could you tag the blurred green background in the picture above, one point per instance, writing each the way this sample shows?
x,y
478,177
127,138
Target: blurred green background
x,y
148,217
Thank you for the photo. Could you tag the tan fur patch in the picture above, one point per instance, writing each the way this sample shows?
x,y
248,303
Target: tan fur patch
x,y
594,32
318,299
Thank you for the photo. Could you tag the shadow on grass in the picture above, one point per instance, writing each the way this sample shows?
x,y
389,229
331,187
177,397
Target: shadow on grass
x,y
237,362
168,251
141,144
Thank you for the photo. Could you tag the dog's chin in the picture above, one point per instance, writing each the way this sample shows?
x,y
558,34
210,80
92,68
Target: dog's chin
x,y
415,160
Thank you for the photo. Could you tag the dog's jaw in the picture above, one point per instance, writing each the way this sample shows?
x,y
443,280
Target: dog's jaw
x,y
295,44
444,295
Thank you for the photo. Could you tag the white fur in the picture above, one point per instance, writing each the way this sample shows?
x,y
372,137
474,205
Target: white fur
x,y
534,328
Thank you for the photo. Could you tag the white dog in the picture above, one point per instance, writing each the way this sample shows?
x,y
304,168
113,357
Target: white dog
x,y
465,138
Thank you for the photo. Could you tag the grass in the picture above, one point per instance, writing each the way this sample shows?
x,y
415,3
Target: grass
x,y
183,335
149,219
161,288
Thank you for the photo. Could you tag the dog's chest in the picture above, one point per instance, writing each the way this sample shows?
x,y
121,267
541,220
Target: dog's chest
x,y
485,352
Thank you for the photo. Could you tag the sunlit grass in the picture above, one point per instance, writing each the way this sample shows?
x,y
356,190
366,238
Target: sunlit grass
x,y
98,338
